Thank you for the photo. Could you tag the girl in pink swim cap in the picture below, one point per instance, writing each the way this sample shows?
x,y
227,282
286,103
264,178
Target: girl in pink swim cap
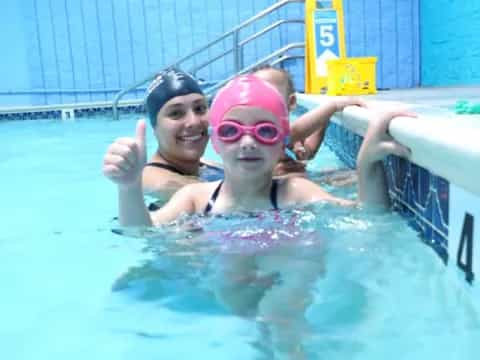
x,y
249,129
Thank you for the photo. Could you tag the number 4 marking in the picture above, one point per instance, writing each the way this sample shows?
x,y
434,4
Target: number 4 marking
x,y
466,244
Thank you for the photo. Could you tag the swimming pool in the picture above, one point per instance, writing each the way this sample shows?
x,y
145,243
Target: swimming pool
x,y
73,289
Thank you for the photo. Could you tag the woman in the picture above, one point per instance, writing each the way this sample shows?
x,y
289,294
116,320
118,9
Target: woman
x,y
178,113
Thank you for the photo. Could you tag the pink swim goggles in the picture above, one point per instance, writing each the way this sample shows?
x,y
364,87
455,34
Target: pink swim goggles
x,y
265,132
248,90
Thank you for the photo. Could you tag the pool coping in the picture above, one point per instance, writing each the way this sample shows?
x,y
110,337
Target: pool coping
x,y
434,134
437,190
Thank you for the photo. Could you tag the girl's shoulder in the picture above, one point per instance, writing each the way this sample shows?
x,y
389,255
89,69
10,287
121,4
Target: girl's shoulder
x,y
201,186
199,193
300,190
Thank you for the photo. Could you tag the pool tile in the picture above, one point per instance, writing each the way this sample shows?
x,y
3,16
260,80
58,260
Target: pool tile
x,y
419,196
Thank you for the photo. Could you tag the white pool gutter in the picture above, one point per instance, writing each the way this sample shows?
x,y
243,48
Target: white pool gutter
x,y
441,141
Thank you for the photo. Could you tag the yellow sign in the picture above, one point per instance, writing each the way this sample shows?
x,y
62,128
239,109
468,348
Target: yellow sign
x,y
324,41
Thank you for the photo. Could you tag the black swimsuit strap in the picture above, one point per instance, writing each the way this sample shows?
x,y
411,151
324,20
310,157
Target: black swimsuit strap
x,y
166,167
213,198
273,194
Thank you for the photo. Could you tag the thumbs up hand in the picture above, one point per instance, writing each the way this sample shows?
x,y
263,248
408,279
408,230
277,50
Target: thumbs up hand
x,y
125,158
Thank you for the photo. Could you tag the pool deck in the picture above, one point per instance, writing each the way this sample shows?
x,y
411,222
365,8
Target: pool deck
x,y
435,97
445,143
442,97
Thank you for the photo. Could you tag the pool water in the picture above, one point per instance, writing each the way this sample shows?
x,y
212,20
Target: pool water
x,y
73,289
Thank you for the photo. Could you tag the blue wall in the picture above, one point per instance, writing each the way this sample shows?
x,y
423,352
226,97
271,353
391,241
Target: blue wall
x,y
387,29
86,50
14,71
63,51
450,42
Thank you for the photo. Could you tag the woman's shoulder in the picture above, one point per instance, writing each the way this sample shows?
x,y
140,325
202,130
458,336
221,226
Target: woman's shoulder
x,y
164,180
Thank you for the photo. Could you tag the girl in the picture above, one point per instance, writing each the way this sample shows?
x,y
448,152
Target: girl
x,y
249,125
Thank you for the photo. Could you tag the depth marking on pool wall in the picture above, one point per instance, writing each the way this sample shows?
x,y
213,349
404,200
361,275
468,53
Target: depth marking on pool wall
x,y
463,232
465,249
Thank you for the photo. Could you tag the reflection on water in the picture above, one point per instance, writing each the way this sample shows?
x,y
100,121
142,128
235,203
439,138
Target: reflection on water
x,y
73,290
356,275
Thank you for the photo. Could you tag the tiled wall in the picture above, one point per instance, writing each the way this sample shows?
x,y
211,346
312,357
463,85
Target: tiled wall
x,y
76,51
388,29
63,51
71,113
450,42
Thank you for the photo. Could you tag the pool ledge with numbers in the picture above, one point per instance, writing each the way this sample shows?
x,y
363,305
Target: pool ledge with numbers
x,y
438,189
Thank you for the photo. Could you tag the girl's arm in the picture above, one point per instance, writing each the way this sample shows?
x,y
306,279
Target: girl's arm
x,y
318,118
299,190
372,185
182,202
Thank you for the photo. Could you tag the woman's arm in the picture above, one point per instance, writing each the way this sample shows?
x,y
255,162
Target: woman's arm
x,y
123,164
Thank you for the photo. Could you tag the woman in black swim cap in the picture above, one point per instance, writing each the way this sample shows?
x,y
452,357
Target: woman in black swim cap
x,y
177,110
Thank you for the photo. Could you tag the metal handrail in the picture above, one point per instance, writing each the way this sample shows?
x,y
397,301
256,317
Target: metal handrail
x,y
268,28
237,59
276,54
244,42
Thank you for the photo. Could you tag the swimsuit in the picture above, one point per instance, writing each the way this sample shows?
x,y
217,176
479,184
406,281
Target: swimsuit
x,y
166,167
213,198
207,173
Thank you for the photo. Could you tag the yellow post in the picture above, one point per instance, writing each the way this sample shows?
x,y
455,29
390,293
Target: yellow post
x,y
324,40
338,5
310,7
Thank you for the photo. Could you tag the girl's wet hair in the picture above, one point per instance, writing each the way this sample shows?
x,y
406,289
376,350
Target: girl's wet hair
x,y
168,84
284,73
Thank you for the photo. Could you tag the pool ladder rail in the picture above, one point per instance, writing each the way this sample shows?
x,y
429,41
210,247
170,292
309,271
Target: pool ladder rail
x,y
276,57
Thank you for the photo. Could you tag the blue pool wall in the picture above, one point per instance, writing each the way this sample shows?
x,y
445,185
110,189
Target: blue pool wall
x,y
80,51
389,30
450,51
418,195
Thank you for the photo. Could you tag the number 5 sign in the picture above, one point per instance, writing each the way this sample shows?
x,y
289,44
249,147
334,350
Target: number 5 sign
x,y
326,39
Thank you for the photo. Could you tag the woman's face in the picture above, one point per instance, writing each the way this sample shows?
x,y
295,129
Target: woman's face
x,y
182,125
247,154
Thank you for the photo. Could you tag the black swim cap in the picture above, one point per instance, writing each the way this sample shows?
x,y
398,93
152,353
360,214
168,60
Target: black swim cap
x,y
168,84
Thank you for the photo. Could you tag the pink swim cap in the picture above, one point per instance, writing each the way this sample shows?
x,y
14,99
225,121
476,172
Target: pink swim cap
x,y
253,91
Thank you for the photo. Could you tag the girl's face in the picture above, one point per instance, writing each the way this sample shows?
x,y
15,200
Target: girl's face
x,y
182,125
247,154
